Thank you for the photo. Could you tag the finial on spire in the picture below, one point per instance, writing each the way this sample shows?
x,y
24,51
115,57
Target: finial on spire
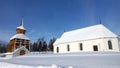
x,y
21,24
64,30
100,20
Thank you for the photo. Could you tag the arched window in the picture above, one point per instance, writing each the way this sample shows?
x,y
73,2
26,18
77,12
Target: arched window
x,y
57,49
109,44
68,47
81,46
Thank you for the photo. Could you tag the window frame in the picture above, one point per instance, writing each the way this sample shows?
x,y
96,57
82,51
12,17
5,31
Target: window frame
x,y
110,44
68,47
81,46
57,50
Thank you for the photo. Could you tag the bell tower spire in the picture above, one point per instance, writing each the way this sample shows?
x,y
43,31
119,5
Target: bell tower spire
x,y
21,29
100,20
21,24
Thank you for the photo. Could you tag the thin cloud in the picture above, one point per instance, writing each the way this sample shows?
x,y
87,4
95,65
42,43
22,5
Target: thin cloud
x,y
32,31
5,35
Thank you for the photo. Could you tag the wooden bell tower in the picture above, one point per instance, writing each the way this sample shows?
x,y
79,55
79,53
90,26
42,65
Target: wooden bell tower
x,y
19,39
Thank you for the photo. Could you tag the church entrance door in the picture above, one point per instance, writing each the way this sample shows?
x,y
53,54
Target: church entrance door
x,y
22,52
95,48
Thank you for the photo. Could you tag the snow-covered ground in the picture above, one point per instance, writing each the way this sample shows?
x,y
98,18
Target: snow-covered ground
x,y
73,60
9,65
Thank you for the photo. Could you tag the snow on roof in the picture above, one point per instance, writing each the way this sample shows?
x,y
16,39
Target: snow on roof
x,y
20,36
21,27
92,32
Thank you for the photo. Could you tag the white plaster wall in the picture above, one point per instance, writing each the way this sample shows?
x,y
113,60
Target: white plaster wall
x,y
119,43
102,44
114,44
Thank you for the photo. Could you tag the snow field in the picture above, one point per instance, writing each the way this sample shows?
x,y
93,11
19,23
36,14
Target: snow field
x,y
71,60
9,65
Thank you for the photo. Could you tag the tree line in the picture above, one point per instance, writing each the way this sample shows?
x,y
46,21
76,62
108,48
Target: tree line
x,y
39,45
3,48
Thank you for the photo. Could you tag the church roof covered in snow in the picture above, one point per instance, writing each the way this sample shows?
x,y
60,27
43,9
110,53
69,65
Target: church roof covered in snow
x,y
92,32
20,36
21,27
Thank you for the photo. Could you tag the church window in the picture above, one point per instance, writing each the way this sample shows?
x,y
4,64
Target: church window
x,y
81,46
57,49
27,41
17,40
68,47
17,44
109,44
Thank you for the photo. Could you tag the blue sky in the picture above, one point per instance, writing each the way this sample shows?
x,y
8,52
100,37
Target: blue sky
x,y
50,18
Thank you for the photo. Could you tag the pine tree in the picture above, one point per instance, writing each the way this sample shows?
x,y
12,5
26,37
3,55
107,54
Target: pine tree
x,y
40,46
34,46
3,48
44,47
50,46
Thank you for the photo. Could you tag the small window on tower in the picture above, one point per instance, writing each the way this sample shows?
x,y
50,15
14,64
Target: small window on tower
x,y
20,31
17,40
17,44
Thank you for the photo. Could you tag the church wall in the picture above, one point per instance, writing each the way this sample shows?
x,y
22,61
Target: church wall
x,y
119,43
88,45
115,46
19,31
11,46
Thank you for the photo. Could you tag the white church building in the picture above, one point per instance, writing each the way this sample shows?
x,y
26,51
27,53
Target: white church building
x,y
89,39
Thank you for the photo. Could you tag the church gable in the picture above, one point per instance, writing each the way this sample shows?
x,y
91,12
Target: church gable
x,y
20,51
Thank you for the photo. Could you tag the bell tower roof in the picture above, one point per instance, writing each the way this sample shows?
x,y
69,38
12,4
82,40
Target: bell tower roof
x,y
21,25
